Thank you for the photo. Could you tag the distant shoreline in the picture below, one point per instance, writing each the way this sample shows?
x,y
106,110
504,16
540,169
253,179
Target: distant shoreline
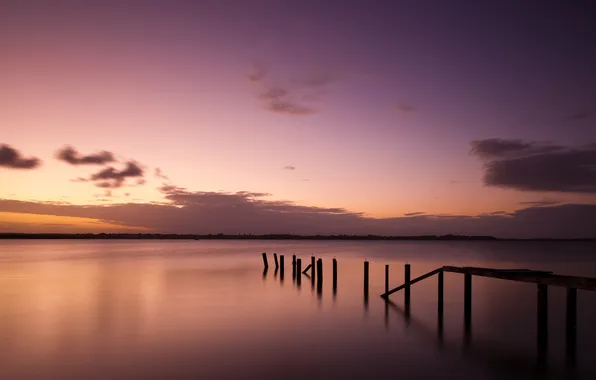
x,y
118,236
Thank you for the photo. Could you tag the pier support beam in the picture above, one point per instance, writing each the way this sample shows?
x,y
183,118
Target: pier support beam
x,y
440,298
319,276
407,287
313,265
293,266
265,261
276,262
281,265
298,271
387,279
366,280
334,276
467,300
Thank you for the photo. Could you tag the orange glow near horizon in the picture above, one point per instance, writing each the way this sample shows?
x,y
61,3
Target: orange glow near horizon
x,y
37,223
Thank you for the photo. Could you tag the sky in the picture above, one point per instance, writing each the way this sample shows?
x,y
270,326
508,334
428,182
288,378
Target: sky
x,y
384,117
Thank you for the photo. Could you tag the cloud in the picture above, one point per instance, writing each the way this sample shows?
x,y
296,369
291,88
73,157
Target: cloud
x,y
540,203
500,148
404,107
284,106
259,71
112,178
528,166
13,159
289,167
414,213
318,78
72,156
579,116
289,99
273,94
248,212
159,174
275,99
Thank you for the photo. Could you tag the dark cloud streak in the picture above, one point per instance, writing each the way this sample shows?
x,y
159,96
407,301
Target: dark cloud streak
x,y
13,159
113,178
70,155
528,166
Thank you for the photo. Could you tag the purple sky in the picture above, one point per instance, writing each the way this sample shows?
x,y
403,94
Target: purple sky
x,y
378,108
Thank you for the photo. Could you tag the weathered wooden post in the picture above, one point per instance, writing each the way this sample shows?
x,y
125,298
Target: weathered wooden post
x,y
334,275
467,301
407,287
276,262
319,276
387,279
293,266
366,280
440,297
542,323
298,271
320,270
571,327
312,265
265,260
281,265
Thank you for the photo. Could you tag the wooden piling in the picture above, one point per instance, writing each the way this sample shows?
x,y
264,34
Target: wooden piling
x,y
440,298
276,262
293,266
467,300
542,322
334,276
319,271
366,279
386,278
265,260
281,267
407,286
312,264
298,271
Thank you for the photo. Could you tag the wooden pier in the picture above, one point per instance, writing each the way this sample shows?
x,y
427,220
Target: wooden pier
x,y
542,280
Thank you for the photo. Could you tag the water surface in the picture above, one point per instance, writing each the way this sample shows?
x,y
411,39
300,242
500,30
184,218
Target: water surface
x,y
205,310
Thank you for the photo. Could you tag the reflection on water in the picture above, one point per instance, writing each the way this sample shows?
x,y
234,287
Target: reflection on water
x,y
151,310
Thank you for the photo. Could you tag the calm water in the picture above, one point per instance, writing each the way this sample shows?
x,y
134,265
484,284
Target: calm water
x,y
204,310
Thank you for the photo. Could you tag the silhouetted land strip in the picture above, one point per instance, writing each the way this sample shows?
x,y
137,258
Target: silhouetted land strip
x,y
14,235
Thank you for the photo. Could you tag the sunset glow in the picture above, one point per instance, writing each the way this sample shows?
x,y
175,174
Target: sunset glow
x,y
377,119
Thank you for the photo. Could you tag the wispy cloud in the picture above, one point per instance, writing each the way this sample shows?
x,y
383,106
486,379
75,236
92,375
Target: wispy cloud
x,y
543,202
289,167
258,72
579,116
13,159
414,213
70,155
404,107
287,107
291,98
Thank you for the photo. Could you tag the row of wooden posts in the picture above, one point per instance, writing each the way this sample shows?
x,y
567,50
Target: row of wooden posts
x,y
541,278
315,267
